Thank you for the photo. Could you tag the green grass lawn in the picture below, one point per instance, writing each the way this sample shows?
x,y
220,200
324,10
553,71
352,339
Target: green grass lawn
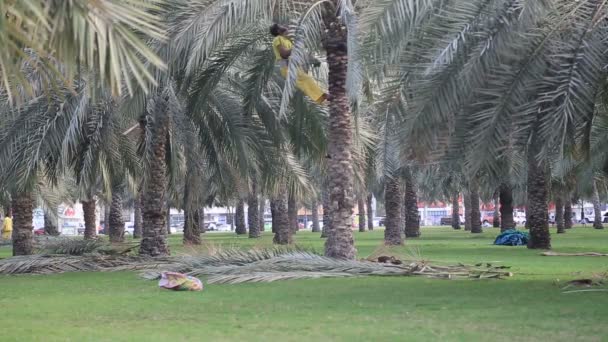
x,y
527,307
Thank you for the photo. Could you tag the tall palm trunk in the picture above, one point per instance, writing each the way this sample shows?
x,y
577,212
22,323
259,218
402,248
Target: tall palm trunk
x,y
467,211
559,213
252,212
537,207
316,228
168,221
274,214
106,218
280,220
361,208
262,213
496,219
326,218
154,242
568,214
506,207
370,213
340,243
50,225
456,211
392,203
412,218
90,229
192,234
202,227
23,215
138,224
597,210
241,228
117,223
475,213
292,212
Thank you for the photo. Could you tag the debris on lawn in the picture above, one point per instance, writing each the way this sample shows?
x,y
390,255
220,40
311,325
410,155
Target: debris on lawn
x,y
512,237
238,266
593,254
596,283
179,282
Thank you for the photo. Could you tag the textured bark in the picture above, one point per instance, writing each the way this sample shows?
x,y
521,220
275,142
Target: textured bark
x,y
154,241
239,217
506,207
361,209
456,211
597,210
475,213
192,234
392,204
280,221
292,212
23,215
50,224
252,212
273,214
537,208
370,212
316,228
326,221
106,218
412,218
168,221
138,224
559,213
340,243
90,229
568,214
117,224
467,211
496,218
262,213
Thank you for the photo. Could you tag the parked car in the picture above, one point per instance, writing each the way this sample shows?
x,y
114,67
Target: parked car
x,y
310,224
129,228
211,226
382,222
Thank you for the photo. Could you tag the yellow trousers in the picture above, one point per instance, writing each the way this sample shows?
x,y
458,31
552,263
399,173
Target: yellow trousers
x,y
6,235
306,84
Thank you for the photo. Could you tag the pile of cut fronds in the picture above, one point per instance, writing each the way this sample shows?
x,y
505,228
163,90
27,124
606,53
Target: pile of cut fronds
x,y
237,266
50,245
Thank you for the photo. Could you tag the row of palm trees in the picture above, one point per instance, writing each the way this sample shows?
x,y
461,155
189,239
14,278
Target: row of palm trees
x,y
171,101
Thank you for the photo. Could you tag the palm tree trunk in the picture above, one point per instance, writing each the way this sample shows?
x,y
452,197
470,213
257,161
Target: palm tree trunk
x,y
370,213
340,243
475,213
537,208
241,228
467,211
597,210
138,224
496,218
361,208
412,218
559,213
50,225
168,221
117,224
280,220
252,212
292,212
23,215
506,207
192,234
326,218
274,214
568,214
316,227
90,229
392,203
262,213
106,218
154,242
456,211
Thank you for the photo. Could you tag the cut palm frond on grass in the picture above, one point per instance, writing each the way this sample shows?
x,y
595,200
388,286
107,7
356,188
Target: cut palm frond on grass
x,y
237,266
592,254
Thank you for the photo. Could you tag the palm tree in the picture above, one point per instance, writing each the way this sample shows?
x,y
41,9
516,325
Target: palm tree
x,y
496,218
392,204
467,211
559,213
283,233
314,205
252,211
370,210
117,223
412,221
239,217
137,218
597,210
456,211
23,212
537,207
475,213
50,222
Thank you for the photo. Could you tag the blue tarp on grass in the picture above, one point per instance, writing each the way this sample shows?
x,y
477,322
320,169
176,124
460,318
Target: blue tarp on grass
x,y
512,237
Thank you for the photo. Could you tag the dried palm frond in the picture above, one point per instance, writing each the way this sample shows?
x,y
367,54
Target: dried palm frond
x,y
51,245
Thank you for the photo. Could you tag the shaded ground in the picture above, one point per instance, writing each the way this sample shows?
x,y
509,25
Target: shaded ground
x,y
527,307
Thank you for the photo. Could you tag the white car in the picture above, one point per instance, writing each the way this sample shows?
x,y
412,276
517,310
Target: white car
x,y
129,228
309,225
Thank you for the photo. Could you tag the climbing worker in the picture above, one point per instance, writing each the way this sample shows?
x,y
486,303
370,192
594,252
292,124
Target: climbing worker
x,y
282,45
7,227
